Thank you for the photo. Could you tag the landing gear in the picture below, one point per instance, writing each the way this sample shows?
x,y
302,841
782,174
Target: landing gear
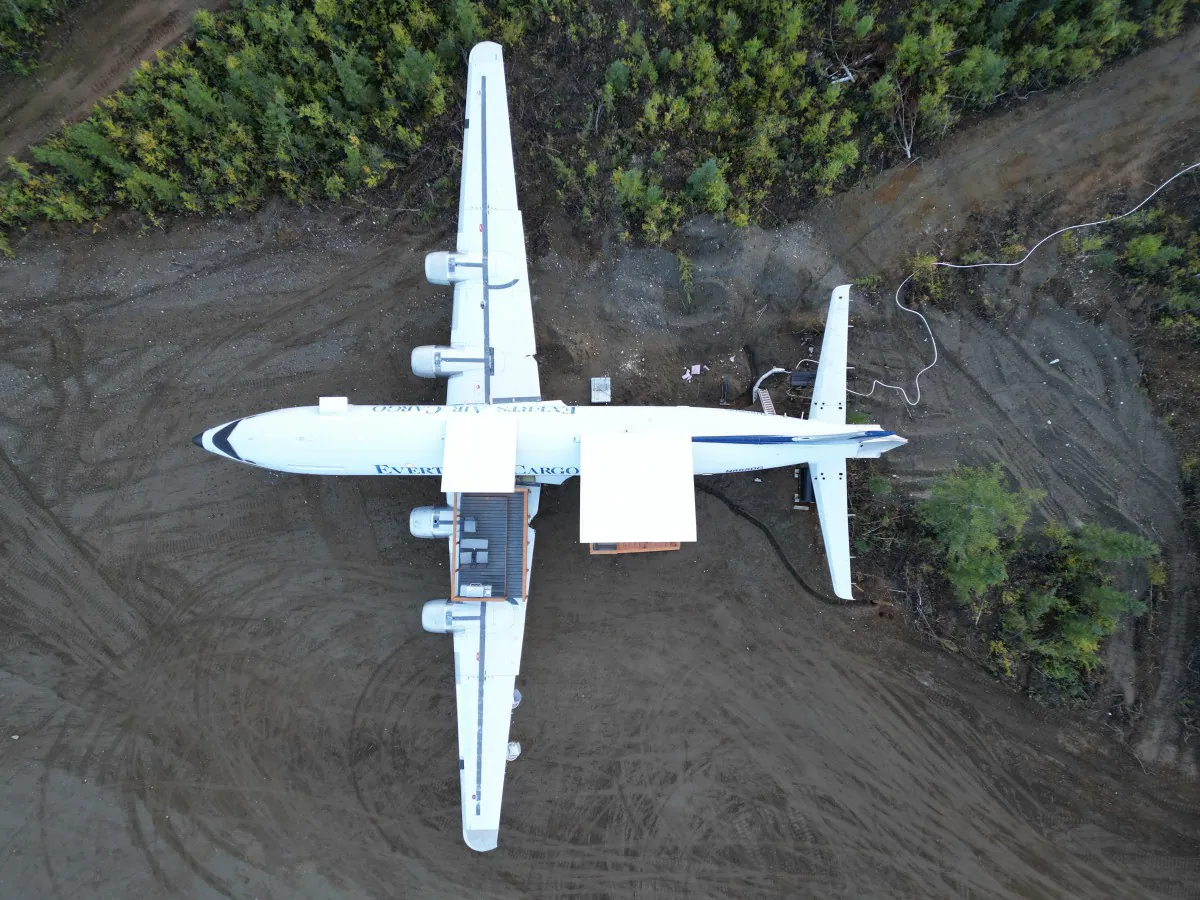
x,y
514,748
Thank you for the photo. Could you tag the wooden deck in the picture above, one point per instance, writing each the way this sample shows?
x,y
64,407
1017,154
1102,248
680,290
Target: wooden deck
x,y
633,547
500,537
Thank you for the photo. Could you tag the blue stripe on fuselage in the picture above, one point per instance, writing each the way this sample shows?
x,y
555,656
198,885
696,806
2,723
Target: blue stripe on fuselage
x,y
786,439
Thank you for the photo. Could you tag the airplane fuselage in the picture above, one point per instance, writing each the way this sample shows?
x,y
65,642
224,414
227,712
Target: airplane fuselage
x,y
410,440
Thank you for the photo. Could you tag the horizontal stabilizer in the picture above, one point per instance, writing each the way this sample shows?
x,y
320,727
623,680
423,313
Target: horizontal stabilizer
x,y
829,392
829,486
636,487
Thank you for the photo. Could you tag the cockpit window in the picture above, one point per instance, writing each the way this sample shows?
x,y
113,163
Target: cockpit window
x,y
221,440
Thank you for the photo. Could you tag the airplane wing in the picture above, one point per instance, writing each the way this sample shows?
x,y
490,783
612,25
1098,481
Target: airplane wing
x,y
491,554
493,316
487,657
829,487
829,391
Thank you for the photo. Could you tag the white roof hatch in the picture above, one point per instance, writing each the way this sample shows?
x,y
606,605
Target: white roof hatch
x,y
636,487
481,452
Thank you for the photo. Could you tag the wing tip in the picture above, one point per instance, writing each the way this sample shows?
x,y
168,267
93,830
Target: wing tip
x,y
481,841
484,51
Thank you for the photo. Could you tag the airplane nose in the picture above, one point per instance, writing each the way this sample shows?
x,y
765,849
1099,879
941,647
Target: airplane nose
x,y
198,440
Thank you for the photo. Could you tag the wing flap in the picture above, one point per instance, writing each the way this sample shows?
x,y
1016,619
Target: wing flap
x,y
829,486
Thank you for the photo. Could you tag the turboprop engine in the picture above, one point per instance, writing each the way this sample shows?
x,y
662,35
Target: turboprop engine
x,y
437,617
431,522
445,267
451,268
432,361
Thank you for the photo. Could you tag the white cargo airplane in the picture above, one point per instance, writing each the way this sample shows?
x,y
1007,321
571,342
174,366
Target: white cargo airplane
x,y
496,442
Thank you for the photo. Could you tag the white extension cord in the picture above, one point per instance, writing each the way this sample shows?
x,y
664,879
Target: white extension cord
x,y
917,379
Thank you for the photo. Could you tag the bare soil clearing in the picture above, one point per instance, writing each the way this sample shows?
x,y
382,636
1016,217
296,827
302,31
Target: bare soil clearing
x,y
218,682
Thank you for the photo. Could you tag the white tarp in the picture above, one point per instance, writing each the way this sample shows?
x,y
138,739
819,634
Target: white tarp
x,y
636,487
481,453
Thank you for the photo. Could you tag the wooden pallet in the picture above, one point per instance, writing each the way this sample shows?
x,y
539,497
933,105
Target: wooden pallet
x,y
633,547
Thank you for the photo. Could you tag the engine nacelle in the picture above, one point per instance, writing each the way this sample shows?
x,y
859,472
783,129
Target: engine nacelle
x,y
431,522
432,361
437,617
444,267
451,268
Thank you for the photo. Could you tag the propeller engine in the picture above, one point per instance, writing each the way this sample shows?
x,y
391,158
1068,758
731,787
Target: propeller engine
x,y
437,617
431,522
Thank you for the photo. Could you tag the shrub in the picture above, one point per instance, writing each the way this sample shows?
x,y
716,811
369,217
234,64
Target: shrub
x,y
685,276
879,485
271,96
973,516
617,78
707,186
980,75
1069,604
23,27
1148,255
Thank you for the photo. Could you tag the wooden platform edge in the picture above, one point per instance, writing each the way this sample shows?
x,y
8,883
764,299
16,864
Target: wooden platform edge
x,y
632,547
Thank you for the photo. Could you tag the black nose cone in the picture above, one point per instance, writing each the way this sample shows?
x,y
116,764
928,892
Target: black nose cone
x,y
198,440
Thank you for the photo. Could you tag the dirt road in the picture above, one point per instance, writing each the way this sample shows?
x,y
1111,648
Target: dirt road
x,y
100,45
215,681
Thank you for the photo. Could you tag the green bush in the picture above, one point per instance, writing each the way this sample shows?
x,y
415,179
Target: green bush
x,y
276,96
1161,255
23,27
618,77
1055,612
1148,255
973,516
707,186
1067,603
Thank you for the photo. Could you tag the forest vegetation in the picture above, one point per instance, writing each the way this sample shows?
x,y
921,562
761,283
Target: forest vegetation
x,y
23,28
1152,260
1033,605
645,112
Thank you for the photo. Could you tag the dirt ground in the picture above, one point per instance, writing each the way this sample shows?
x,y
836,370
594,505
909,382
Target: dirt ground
x,y
215,683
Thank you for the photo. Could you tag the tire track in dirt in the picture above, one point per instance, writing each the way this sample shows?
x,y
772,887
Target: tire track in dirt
x,y
80,69
44,573
72,398
115,75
